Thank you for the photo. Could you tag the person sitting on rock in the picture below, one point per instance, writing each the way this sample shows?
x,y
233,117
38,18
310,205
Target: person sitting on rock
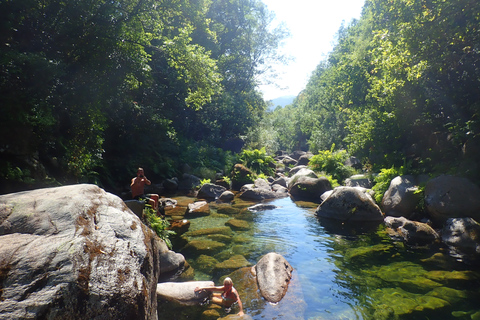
x,y
225,296
138,190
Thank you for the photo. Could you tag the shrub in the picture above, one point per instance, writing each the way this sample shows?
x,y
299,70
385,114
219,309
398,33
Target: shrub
x,y
332,163
258,161
382,181
158,225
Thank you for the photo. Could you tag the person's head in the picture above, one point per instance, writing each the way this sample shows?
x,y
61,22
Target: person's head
x,y
228,283
140,172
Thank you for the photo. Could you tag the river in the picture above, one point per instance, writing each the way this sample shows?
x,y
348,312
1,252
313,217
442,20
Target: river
x,y
340,272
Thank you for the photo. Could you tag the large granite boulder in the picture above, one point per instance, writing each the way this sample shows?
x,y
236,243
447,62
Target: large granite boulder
x,y
298,172
183,293
261,190
462,234
349,204
359,180
210,191
188,182
306,188
273,274
401,198
412,232
452,197
75,252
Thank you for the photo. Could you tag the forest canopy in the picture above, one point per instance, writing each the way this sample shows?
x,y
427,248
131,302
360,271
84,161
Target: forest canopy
x,y
92,89
400,88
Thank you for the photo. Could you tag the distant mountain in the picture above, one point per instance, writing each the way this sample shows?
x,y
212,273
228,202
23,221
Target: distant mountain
x,y
281,101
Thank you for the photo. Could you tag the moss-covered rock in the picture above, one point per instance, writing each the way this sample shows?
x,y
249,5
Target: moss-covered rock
x,y
203,246
365,254
205,263
233,263
220,238
237,224
203,232
228,210
404,303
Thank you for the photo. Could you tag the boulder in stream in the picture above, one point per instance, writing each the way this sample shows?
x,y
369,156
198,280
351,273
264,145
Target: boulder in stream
x,y
452,197
273,276
183,293
349,204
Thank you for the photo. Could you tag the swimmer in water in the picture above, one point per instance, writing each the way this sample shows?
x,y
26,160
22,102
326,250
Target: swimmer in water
x,y
225,295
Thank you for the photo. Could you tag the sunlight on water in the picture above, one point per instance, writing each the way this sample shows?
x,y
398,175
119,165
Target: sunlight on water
x,y
341,272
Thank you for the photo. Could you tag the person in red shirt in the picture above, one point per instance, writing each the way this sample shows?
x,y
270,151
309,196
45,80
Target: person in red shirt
x,y
138,189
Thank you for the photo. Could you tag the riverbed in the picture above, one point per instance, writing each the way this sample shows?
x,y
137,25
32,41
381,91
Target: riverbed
x,y
340,271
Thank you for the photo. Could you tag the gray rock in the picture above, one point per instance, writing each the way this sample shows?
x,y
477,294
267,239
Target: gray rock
x,y
188,182
210,191
349,204
171,185
452,197
306,188
273,276
170,261
462,234
227,196
304,160
183,293
260,190
75,252
359,180
298,172
136,207
412,232
282,181
288,161
262,184
262,207
198,208
400,198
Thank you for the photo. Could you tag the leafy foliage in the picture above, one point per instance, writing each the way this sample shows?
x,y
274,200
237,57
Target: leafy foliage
x,y
401,84
158,225
382,181
90,88
258,161
332,163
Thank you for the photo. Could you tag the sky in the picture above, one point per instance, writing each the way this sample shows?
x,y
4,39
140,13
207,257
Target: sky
x,y
312,25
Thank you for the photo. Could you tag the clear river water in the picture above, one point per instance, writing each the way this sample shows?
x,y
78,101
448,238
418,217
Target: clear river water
x,y
340,271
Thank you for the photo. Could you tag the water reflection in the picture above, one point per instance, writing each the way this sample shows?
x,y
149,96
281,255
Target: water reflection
x,y
342,271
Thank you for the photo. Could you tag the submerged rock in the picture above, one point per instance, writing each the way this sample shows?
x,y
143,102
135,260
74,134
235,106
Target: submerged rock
x,y
231,264
237,224
203,246
262,207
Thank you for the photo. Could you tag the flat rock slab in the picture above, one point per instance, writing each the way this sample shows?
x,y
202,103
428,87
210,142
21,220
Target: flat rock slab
x,y
183,292
273,276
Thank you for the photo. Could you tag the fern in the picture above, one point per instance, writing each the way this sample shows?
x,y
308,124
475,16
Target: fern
x,y
158,225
